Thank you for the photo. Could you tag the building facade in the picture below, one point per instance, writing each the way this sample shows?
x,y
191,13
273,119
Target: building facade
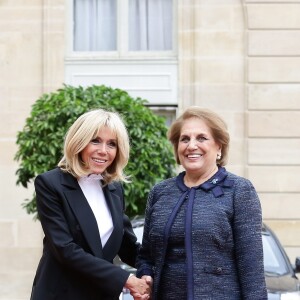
x,y
239,58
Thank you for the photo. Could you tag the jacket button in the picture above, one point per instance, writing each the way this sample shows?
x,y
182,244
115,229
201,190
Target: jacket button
x,y
219,270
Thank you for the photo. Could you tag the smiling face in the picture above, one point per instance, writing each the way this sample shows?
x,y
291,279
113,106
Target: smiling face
x,y
100,152
197,149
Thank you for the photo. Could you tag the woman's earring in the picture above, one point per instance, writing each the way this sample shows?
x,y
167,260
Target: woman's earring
x,y
219,156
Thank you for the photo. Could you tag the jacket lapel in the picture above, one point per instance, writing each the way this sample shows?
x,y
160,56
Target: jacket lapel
x,y
83,213
115,205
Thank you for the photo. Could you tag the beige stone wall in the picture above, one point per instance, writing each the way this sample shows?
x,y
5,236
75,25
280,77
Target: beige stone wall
x,y
239,58
273,102
212,65
20,84
31,52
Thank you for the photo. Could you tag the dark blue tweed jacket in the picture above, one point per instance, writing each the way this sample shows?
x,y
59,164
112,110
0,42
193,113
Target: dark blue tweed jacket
x,y
204,242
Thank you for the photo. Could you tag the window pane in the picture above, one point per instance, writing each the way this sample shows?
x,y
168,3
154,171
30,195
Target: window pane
x,y
150,25
168,112
95,25
274,262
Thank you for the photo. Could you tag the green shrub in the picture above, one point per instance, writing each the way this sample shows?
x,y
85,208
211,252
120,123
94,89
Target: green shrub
x,y
40,143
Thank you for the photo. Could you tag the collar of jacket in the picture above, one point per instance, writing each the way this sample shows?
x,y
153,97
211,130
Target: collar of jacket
x,y
215,184
86,219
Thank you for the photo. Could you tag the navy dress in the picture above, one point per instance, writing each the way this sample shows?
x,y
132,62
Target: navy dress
x,y
204,242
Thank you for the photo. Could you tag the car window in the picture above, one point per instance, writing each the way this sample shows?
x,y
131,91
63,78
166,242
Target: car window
x,y
274,261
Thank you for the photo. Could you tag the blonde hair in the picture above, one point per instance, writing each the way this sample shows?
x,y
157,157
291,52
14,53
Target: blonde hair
x,y
216,124
85,129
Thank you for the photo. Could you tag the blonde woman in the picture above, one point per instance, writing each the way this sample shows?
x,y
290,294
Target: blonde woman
x,y
81,208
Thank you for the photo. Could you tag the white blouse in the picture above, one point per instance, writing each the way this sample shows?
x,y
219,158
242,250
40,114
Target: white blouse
x,y
92,189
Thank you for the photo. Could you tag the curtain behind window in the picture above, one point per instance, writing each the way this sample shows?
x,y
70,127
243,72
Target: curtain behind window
x,y
150,25
95,24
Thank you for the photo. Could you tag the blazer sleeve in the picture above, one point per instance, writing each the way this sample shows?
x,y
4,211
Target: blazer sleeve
x,y
129,247
58,238
144,261
247,226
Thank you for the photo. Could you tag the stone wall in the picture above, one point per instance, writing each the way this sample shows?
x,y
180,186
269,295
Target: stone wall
x,y
32,62
273,103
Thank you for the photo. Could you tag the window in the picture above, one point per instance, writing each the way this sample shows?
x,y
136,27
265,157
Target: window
x,y
126,44
166,111
123,26
95,25
150,25
274,262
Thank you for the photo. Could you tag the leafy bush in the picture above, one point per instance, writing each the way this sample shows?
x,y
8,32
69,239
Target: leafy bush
x,y
40,143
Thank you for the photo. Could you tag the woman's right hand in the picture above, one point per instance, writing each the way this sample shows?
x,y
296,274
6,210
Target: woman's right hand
x,y
139,288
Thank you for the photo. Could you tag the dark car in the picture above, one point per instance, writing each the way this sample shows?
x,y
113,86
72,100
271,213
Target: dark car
x,y
281,279
282,282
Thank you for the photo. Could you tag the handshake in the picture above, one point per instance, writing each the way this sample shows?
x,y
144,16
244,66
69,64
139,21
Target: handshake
x,y
140,289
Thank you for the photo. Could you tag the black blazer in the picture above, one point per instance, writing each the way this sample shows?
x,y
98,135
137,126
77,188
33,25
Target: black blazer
x,y
74,265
